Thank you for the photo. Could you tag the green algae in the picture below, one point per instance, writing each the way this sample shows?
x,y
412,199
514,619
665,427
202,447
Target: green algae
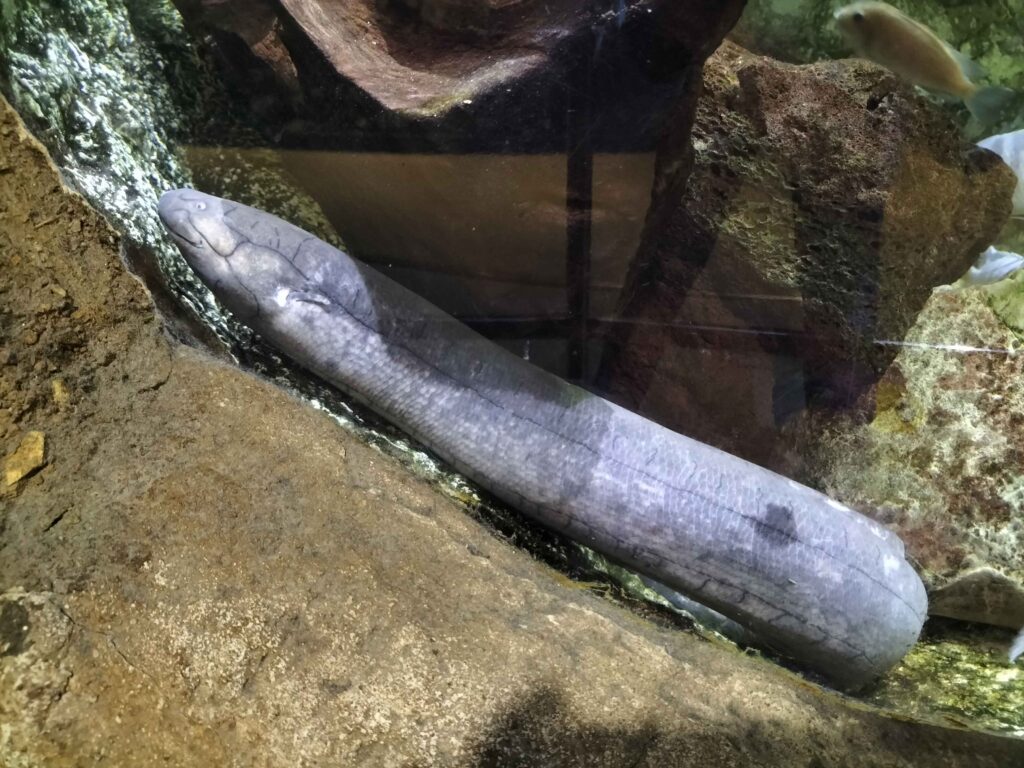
x,y
958,674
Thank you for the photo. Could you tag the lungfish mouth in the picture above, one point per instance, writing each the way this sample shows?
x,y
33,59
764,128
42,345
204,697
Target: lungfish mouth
x,y
174,213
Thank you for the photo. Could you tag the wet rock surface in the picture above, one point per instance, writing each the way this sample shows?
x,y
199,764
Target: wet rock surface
x,y
825,204
113,88
91,80
208,571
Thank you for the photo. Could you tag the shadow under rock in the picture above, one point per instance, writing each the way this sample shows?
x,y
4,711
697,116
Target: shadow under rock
x,y
542,729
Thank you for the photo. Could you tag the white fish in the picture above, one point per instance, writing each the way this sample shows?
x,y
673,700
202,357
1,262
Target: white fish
x,y
1017,646
1010,147
886,36
992,266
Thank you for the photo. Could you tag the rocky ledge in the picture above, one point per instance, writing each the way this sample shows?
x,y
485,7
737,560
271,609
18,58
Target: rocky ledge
x,y
200,569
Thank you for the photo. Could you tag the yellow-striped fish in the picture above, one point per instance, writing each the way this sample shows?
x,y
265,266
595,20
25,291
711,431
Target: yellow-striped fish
x,y
886,36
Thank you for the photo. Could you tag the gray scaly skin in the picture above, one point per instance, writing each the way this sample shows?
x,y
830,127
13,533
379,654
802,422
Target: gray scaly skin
x,y
813,579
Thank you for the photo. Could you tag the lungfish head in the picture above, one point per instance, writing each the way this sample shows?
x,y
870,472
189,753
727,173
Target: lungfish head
x,y
243,255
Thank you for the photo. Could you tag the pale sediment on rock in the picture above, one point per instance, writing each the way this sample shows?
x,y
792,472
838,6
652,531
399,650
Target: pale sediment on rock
x,y
28,457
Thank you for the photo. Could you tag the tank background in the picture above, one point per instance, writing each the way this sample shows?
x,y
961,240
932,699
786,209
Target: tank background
x,y
991,32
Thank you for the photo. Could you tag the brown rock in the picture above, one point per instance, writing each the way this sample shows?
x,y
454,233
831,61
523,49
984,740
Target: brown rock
x,y
61,395
469,73
825,204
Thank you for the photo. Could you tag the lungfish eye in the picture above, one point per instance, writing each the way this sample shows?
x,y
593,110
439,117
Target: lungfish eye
x,y
200,206
858,16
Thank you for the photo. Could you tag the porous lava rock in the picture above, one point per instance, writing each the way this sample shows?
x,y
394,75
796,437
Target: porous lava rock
x,y
825,204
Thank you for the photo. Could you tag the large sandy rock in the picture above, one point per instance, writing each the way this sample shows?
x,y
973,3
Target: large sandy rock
x,y
825,203
206,571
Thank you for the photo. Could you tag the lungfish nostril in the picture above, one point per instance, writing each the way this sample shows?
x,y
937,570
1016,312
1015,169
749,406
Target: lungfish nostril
x,y
178,223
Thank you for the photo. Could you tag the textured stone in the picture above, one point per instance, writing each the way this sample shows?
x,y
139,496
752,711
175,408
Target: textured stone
x,y
825,204
111,87
90,79
216,573
982,594
942,460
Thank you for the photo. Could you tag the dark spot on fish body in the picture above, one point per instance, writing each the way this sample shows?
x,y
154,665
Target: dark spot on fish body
x,y
13,629
778,526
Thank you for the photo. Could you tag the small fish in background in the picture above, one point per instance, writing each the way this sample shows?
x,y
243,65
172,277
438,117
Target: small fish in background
x,y
886,36
991,267
1017,646
1010,147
